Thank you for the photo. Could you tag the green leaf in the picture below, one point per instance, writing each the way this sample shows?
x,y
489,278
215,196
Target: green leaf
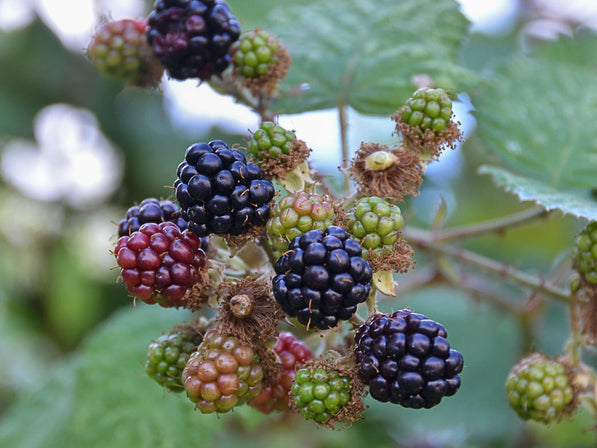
x,y
575,203
103,396
579,49
539,118
363,53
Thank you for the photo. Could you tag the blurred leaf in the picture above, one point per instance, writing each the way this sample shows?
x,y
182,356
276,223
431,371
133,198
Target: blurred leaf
x,y
482,53
103,395
363,53
579,50
538,117
527,189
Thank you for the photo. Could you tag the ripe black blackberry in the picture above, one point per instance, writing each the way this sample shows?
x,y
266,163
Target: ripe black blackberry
x,y
406,359
192,39
322,278
220,192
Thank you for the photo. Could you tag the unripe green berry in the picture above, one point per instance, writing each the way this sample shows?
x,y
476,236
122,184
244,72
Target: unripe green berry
x,y
255,53
168,355
319,393
270,141
540,389
428,109
585,257
376,224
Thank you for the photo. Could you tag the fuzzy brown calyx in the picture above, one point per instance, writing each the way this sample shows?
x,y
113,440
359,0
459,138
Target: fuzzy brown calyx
x,y
279,167
198,296
427,142
254,327
402,177
399,259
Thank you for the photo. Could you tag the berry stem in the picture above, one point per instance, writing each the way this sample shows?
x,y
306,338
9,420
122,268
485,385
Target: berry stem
x,y
343,120
498,225
426,241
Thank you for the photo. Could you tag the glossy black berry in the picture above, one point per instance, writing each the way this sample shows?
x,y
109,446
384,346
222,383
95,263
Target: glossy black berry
x,y
406,359
192,39
318,281
219,192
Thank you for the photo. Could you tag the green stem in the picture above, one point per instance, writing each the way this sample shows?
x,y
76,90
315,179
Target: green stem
x,y
495,225
424,240
343,120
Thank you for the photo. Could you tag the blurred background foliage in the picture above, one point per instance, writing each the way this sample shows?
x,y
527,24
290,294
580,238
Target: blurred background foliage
x,y
72,344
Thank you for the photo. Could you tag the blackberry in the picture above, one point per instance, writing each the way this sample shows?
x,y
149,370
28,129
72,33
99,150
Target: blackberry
x,y
540,389
119,49
428,109
322,278
167,356
159,263
585,258
292,353
320,393
295,215
220,192
406,359
222,373
376,224
192,39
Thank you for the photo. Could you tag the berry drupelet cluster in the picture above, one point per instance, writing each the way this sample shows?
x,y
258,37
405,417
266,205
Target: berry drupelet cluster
x,y
192,39
222,373
150,210
167,356
220,192
322,278
159,263
292,353
406,359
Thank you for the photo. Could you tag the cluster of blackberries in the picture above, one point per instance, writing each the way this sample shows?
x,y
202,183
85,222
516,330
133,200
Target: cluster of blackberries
x,y
220,192
405,358
192,38
322,278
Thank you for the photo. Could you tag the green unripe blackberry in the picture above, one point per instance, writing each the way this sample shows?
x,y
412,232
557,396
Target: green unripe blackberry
x,y
319,393
585,258
167,357
270,141
222,373
295,215
428,109
376,224
119,49
255,53
540,389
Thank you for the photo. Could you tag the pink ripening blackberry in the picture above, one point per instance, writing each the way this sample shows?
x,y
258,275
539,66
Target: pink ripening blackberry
x,y
159,263
192,39
292,353
222,373
405,358
119,49
295,215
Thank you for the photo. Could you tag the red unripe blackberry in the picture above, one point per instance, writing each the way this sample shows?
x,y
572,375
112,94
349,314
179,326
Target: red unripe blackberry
x,y
292,353
220,192
192,39
222,373
119,49
159,263
406,359
322,278
167,357
295,215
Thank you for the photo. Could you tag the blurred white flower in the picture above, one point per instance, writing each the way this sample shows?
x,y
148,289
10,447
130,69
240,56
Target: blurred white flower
x,y
71,162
